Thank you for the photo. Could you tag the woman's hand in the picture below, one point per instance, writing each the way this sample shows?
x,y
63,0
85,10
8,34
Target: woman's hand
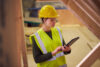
x,y
66,48
61,48
57,50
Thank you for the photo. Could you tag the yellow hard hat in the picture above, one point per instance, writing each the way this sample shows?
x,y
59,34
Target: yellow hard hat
x,y
48,11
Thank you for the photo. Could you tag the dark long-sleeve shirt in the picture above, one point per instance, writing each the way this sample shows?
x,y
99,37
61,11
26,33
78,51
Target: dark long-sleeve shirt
x,y
38,55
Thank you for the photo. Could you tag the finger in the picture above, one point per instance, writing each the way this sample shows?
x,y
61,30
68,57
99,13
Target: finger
x,y
68,45
63,48
60,48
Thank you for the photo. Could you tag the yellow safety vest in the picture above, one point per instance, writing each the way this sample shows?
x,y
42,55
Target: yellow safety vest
x,y
46,44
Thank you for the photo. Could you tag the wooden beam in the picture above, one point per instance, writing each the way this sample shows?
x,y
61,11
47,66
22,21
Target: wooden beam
x,y
86,14
12,34
91,57
65,1
47,0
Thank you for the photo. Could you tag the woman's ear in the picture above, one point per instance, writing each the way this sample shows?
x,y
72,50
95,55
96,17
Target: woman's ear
x,y
44,20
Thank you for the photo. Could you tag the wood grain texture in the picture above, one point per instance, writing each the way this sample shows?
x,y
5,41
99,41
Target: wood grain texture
x,y
13,34
86,14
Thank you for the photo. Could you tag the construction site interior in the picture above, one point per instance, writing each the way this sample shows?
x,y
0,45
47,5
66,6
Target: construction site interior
x,y
77,18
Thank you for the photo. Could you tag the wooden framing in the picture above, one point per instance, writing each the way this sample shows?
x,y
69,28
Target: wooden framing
x,y
91,57
83,10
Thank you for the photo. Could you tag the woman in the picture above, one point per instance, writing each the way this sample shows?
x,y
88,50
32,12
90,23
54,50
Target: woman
x,y
48,43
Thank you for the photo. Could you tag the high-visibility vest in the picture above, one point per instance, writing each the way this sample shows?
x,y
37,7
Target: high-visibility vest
x,y
46,44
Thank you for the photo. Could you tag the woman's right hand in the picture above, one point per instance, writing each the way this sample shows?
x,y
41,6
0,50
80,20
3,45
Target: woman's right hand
x,y
57,50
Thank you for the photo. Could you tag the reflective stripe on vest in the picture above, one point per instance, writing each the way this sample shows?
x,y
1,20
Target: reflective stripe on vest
x,y
60,54
41,43
65,65
44,49
60,35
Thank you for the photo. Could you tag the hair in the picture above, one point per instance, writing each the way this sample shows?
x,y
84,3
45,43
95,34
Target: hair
x,y
43,19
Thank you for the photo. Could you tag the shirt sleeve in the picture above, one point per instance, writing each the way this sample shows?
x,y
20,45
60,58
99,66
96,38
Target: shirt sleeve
x,y
38,55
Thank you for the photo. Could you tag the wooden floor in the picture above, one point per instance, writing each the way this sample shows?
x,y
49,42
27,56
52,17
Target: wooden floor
x,y
79,49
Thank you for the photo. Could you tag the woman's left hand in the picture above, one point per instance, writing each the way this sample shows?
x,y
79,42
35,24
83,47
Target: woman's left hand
x,y
66,48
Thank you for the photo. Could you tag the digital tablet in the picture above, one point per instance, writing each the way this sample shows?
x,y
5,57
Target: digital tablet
x,y
72,41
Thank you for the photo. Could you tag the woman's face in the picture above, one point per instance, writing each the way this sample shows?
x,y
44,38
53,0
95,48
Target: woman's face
x,y
50,22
